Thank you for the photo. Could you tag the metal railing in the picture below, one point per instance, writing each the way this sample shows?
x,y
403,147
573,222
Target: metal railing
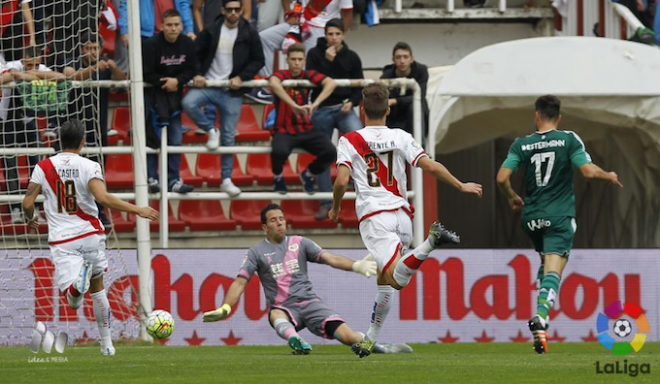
x,y
450,6
609,19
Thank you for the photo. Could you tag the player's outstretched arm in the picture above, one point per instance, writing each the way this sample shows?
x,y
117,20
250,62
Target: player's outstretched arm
x,y
504,183
592,171
33,191
441,173
103,197
366,266
339,190
231,298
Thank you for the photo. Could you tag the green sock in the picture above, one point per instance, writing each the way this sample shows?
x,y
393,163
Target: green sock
x,y
547,294
539,276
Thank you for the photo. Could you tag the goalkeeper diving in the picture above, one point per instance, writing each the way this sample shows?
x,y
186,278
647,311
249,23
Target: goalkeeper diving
x,y
280,261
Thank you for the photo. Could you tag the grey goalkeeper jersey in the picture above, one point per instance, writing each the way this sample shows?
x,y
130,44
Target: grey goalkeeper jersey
x,y
282,269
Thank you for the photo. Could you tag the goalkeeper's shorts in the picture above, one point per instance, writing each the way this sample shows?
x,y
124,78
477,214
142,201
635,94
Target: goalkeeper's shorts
x,y
69,258
313,315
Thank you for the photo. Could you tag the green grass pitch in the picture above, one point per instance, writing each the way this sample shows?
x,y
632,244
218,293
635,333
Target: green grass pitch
x,y
430,363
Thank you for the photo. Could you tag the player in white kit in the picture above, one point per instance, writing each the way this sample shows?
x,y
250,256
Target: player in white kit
x,y
76,237
377,157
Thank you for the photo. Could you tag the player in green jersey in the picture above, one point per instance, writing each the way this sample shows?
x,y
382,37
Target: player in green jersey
x,y
548,212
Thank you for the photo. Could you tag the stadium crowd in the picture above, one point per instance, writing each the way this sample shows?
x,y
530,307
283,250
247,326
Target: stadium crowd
x,y
200,40
195,41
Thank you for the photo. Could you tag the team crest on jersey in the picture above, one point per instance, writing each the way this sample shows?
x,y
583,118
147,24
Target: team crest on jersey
x,y
293,247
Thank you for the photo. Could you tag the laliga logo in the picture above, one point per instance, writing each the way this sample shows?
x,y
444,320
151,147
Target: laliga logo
x,y
46,339
622,328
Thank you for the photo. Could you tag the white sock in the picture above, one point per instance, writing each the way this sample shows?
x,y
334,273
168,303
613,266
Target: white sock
x,y
74,301
382,307
410,263
284,328
102,315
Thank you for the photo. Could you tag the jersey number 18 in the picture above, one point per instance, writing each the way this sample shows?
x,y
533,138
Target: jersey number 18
x,y
66,196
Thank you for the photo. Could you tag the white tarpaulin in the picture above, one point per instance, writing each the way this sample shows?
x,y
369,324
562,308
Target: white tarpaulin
x,y
610,93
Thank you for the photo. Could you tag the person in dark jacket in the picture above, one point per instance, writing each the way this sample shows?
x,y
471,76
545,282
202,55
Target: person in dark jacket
x,y
401,106
169,62
231,50
332,57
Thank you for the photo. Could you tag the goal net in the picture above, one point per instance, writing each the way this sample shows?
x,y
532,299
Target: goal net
x,y
48,49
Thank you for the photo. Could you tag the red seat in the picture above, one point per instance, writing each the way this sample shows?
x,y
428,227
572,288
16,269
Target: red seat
x,y
260,166
208,167
3,184
23,171
304,159
118,95
205,215
186,174
121,122
247,213
120,224
175,225
191,137
6,227
300,214
348,216
119,171
264,117
248,129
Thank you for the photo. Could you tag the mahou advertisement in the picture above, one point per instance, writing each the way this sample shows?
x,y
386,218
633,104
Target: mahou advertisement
x,y
457,296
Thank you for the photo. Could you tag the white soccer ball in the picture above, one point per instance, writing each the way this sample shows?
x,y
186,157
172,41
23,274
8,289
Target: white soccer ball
x,y
160,324
622,328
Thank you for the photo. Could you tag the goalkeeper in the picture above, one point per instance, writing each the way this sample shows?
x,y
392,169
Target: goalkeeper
x,y
281,263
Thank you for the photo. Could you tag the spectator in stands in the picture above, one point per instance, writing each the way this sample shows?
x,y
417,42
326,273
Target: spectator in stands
x,y
151,15
293,127
90,105
169,63
273,38
18,128
67,23
13,26
229,49
401,106
206,11
270,12
333,58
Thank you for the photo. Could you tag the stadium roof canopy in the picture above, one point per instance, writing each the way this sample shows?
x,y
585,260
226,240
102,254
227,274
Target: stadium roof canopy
x,y
607,87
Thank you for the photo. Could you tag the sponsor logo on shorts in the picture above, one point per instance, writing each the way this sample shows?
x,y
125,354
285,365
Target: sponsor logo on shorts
x,y
533,225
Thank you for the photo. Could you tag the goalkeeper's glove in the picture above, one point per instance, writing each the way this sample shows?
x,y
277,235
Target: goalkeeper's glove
x,y
366,266
217,315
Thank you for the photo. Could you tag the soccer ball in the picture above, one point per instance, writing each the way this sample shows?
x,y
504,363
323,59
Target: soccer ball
x,y
622,328
160,324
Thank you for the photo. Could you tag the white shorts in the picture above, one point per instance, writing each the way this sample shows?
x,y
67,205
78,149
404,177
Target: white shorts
x,y
385,234
69,257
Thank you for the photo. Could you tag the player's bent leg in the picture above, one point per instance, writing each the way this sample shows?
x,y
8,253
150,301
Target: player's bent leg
x,y
554,265
102,314
411,262
382,305
285,329
343,333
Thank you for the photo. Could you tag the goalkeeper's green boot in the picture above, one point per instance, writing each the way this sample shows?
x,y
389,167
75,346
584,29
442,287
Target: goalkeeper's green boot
x,y
299,346
363,348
